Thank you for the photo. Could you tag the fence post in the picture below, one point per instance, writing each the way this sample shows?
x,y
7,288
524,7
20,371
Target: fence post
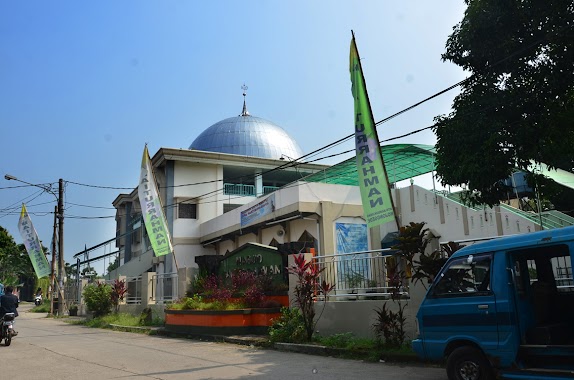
x,y
184,276
147,289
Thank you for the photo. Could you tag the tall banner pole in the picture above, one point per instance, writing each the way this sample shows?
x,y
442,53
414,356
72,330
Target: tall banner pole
x,y
373,180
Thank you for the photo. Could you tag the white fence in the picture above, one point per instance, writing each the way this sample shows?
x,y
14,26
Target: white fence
x,y
164,287
362,275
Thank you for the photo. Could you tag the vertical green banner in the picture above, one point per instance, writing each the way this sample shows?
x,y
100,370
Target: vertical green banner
x,y
32,244
375,193
152,211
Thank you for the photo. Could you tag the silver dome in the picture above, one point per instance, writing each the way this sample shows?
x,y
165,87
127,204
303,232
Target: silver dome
x,y
248,135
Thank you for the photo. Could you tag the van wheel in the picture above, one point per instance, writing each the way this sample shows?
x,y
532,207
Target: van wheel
x,y
468,363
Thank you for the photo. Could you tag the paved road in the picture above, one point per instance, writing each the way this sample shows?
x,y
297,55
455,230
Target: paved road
x,y
51,349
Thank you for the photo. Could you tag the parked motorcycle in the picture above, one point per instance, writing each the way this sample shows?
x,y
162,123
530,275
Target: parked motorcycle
x,y
38,300
6,328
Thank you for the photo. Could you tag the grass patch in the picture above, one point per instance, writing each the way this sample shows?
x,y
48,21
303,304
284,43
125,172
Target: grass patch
x,y
43,308
122,319
350,347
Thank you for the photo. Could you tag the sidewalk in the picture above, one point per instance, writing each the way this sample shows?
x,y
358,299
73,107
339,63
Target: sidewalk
x,y
309,349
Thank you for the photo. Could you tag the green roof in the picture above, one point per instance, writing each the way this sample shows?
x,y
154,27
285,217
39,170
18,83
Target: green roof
x,y
402,161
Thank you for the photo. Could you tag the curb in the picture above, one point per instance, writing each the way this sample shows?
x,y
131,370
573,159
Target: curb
x,y
262,341
245,340
147,329
311,349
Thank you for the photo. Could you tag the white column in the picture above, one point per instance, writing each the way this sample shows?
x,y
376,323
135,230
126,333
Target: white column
x,y
258,184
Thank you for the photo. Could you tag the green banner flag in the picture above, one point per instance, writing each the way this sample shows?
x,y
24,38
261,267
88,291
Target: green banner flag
x,y
152,211
375,193
32,244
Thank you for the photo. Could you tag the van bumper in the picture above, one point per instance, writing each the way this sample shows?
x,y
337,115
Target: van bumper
x,y
417,345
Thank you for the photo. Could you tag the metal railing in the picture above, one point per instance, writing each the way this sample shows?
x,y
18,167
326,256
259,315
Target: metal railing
x,y
269,189
164,287
238,189
134,286
360,275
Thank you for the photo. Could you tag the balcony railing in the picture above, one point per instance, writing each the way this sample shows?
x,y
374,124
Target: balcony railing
x,y
269,189
238,189
245,190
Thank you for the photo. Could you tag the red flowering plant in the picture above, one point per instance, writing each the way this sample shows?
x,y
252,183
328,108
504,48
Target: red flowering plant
x,y
119,291
216,290
309,286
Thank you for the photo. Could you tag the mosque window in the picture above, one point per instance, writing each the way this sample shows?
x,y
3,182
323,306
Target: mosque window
x,y
187,211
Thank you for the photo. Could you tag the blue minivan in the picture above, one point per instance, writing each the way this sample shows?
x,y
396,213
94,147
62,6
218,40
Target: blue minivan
x,y
503,308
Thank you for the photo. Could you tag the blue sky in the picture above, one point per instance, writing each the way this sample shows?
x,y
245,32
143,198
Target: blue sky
x,y
84,85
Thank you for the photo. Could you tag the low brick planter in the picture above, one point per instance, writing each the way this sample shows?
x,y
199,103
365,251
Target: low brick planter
x,y
221,322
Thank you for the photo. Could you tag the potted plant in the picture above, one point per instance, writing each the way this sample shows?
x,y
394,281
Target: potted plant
x,y
73,309
372,287
354,281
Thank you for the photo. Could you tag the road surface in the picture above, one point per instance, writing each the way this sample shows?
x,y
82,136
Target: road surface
x,y
49,348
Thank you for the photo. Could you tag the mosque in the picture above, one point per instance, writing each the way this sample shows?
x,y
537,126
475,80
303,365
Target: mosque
x,y
241,183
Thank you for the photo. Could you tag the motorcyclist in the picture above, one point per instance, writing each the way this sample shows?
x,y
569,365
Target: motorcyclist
x,y
9,303
38,297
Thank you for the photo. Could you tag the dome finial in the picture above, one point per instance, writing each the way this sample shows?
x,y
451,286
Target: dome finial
x,y
244,112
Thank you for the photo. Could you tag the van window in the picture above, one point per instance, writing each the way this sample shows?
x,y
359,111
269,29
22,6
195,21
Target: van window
x,y
466,276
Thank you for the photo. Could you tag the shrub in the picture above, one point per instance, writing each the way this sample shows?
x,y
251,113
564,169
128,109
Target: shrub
x,y
242,280
289,327
253,296
389,327
119,291
98,298
307,288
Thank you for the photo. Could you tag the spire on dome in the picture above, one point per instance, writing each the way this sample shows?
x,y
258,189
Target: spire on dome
x,y
244,112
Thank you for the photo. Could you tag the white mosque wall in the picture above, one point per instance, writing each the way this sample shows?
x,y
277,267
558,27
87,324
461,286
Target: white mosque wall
x,y
289,199
208,176
453,221
185,254
226,246
298,226
247,238
273,232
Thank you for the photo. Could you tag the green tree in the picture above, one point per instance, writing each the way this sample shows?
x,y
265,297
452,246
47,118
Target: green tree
x,y
518,104
98,298
14,261
113,265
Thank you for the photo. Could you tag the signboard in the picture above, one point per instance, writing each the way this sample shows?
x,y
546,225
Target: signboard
x,y
258,211
261,259
352,237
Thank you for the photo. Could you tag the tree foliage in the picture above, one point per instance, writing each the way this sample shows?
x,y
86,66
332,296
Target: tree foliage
x,y
14,261
518,104
98,298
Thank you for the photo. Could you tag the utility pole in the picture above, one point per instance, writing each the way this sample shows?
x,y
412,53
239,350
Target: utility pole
x,y
61,247
60,217
53,264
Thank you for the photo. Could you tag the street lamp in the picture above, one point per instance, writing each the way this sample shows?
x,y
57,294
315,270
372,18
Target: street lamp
x,y
60,215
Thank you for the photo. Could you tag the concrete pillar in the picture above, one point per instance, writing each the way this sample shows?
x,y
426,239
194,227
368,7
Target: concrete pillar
x,y
184,278
258,184
147,289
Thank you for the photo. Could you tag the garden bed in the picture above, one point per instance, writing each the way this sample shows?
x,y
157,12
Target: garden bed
x,y
221,322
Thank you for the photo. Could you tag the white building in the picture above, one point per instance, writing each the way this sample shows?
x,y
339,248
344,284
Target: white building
x,y
241,181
